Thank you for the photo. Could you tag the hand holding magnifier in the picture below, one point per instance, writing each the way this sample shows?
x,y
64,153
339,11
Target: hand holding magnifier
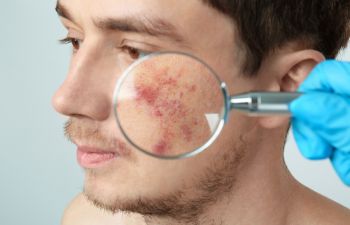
x,y
321,117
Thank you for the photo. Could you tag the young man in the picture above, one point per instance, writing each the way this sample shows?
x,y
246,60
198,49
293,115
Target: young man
x,y
252,45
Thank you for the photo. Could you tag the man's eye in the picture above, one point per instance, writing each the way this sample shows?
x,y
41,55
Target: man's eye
x,y
133,52
74,41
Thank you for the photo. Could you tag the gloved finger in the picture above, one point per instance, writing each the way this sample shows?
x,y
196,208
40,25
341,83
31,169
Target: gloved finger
x,y
329,76
311,145
328,115
341,163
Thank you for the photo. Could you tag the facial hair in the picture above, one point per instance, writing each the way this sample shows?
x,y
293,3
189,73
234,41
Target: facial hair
x,y
217,181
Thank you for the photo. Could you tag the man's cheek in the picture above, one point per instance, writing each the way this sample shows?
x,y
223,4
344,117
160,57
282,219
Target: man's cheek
x,y
170,111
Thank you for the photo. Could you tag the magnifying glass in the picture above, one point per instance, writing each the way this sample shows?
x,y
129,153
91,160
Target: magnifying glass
x,y
172,105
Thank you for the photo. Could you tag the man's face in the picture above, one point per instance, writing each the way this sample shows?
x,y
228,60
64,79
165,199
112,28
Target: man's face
x,y
111,35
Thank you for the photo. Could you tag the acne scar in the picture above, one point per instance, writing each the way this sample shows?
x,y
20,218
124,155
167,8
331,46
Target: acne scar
x,y
163,93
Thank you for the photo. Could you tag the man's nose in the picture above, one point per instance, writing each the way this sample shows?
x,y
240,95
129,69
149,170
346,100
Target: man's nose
x,y
87,90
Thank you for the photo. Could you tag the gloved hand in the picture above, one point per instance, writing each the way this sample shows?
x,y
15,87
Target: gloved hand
x,y
321,116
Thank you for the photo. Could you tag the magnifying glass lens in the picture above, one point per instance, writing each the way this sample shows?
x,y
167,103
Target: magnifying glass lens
x,y
169,105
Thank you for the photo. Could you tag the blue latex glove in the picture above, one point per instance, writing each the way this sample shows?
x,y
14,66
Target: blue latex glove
x,y
321,116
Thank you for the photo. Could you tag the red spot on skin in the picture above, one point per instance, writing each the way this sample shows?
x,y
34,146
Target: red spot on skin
x,y
187,132
157,113
160,148
193,88
169,81
148,94
170,107
164,145
181,94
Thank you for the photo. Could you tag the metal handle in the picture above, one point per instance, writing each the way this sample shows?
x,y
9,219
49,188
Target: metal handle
x,y
263,102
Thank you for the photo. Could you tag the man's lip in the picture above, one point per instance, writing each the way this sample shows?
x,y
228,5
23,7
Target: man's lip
x,y
87,149
119,147
89,157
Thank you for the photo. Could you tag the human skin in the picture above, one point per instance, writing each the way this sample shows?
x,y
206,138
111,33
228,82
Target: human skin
x,y
245,178
83,212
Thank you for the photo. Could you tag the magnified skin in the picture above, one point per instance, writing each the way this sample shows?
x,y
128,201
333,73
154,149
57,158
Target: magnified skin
x,y
174,94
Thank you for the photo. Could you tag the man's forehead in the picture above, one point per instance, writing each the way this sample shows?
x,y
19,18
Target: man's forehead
x,y
188,25
140,20
122,8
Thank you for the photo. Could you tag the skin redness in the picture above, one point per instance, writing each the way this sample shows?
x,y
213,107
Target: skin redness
x,y
173,96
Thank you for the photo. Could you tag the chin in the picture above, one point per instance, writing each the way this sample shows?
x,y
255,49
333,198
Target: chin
x,y
106,186
117,192
103,193
112,190
112,197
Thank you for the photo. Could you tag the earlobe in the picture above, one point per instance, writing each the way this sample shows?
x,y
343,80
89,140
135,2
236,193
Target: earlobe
x,y
294,67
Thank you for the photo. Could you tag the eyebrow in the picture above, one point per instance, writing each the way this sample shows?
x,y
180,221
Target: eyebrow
x,y
135,24
63,12
131,24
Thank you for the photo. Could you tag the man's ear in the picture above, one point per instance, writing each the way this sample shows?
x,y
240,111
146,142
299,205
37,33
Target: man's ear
x,y
286,72
300,66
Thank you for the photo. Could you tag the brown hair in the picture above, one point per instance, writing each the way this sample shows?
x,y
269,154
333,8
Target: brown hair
x,y
265,25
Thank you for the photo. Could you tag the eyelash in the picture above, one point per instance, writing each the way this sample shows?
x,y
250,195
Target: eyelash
x,y
128,49
131,50
74,41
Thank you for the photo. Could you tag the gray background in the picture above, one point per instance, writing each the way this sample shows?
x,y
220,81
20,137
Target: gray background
x,y
39,175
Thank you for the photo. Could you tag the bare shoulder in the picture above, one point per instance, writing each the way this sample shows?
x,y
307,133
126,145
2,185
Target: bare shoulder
x,y
81,212
312,208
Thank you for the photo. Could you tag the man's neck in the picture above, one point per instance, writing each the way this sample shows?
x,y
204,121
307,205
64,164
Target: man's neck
x,y
261,196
